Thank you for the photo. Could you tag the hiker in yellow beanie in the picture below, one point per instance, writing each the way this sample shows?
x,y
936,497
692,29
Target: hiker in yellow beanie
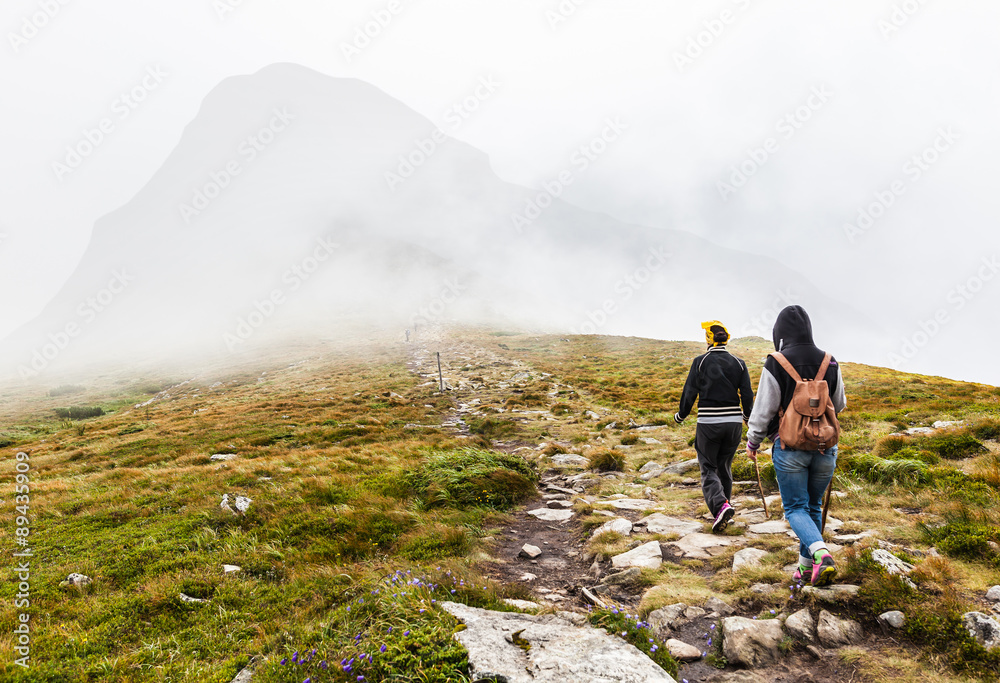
x,y
720,382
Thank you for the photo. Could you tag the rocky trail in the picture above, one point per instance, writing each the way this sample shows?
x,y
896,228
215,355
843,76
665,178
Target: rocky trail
x,y
544,549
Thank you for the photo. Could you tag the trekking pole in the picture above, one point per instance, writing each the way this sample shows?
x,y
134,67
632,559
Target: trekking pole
x,y
760,489
826,505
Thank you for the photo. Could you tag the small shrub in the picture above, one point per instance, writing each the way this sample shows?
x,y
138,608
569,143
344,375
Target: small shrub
x,y
553,449
560,409
436,542
472,477
607,460
66,390
79,412
953,445
629,439
966,534
493,428
888,446
987,430
876,470
131,429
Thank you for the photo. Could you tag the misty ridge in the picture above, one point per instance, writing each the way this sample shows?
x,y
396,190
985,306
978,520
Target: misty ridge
x,y
296,203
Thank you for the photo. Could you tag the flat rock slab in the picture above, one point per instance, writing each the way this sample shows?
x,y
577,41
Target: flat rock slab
x,y
570,459
984,628
747,558
549,515
838,592
659,523
775,526
683,467
634,504
700,546
751,643
647,555
548,649
619,525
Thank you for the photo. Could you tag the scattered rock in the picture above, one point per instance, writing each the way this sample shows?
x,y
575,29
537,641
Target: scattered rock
x,y
834,632
662,620
231,569
559,504
77,581
528,577
682,651
633,504
659,523
718,606
894,619
647,555
762,588
693,612
627,576
187,598
751,643
522,604
893,565
619,525
591,598
838,592
984,628
241,503
701,546
549,515
527,648
650,466
592,415
851,539
683,467
530,551
747,558
246,674
652,474
775,526
570,459
945,424
993,594
222,457
802,626
649,441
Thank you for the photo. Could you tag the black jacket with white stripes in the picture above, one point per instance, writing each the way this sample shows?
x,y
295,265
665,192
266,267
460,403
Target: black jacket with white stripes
x,y
720,382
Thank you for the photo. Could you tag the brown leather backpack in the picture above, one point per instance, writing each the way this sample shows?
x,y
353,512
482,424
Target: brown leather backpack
x,y
809,423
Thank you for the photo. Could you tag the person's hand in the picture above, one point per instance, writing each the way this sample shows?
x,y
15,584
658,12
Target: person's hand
x,y
678,419
752,449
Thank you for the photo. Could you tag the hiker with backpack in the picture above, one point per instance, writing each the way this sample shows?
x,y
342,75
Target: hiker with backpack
x,y
800,393
720,382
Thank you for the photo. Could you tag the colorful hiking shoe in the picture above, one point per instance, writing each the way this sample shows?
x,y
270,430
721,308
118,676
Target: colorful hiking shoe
x,y
824,570
723,518
802,576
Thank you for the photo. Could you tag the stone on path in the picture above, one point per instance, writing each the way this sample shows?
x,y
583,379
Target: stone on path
x,y
650,466
682,651
893,565
527,648
801,625
775,526
522,604
530,551
549,515
751,642
718,606
851,539
627,576
993,594
647,555
659,523
838,592
559,504
747,558
702,546
633,504
895,619
653,473
662,620
619,525
683,467
834,632
984,628
570,459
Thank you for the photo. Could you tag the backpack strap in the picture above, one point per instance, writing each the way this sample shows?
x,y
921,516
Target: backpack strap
x,y
824,367
792,372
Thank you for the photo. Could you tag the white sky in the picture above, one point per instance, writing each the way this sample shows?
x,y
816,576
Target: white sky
x,y
610,58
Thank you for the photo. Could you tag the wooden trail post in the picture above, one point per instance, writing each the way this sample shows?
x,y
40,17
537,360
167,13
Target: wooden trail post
x,y
440,376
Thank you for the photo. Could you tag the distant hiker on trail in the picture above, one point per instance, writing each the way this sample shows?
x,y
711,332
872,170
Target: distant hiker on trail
x,y
721,384
800,393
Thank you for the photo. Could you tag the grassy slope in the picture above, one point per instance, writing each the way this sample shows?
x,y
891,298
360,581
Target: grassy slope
x,y
132,500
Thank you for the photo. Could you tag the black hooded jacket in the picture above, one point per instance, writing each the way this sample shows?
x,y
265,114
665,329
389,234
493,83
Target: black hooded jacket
x,y
793,337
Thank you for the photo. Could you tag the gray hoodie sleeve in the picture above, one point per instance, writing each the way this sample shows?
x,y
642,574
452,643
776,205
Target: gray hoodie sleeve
x,y
840,395
765,407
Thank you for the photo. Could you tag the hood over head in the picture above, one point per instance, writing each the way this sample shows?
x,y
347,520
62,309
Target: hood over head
x,y
793,326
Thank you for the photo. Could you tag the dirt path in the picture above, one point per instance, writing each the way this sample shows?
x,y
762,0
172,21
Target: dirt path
x,y
484,383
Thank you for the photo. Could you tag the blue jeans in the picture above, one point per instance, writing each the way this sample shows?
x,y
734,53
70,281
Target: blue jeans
x,y
803,477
